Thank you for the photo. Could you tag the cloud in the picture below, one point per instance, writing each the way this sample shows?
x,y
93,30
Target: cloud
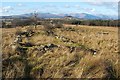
x,y
0,9
6,9
109,5
92,10
77,6
89,10
19,4
95,3
113,6
67,6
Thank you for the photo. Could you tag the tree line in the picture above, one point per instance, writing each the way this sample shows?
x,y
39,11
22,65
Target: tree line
x,y
112,23
24,22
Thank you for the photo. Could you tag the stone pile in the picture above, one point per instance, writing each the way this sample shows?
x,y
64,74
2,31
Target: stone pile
x,y
48,47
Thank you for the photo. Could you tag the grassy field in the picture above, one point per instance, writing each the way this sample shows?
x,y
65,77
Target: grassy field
x,y
67,52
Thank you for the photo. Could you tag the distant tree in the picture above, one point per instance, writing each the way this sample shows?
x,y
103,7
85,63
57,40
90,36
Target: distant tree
x,y
3,24
34,18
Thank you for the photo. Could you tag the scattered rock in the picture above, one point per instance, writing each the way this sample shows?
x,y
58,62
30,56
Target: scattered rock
x,y
27,44
105,33
71,49
49,46
18,39
94,52
69,29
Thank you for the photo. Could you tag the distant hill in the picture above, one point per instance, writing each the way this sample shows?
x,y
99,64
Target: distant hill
x,y
84,16
43,15
90,16
50,15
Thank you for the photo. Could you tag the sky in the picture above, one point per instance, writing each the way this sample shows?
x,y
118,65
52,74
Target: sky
x,y
17,8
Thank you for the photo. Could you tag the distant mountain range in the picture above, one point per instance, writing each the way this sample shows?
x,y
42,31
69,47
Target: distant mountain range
x,y
75,15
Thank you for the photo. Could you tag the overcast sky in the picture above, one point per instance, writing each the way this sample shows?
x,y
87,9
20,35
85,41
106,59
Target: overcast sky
x,y
16,8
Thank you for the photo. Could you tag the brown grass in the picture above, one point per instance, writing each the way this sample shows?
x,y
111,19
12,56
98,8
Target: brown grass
x,y
60,62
